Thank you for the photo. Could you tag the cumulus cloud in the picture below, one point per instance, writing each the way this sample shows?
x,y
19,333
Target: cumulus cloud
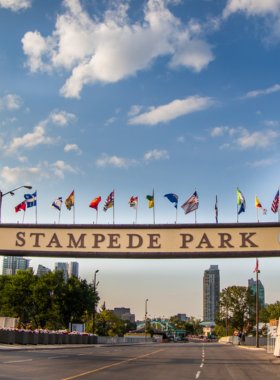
x,y
181,139
267,162
134,110
15,5
225,146
110,121
75,147
254,94
60,167
61,118
156,155
25,175
10,102
252,7
172,110
218,131
29,140
118,162
262,139
114,48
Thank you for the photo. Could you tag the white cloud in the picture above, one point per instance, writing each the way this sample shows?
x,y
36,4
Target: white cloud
x,y
156,155
181,139
271,123
199,138
266,162
172,110
30,140
115,161
134,110
10,102
22,159
252,7
218,131
256,139
110,121
75,147
59,168
11,120
114,48
15,5
61,118
225,146
253,94
25,175
258,113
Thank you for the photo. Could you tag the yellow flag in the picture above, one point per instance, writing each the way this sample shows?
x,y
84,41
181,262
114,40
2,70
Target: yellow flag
x,y
70,201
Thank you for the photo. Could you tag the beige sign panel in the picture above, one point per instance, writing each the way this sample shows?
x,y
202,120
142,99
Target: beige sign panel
x,y
142,241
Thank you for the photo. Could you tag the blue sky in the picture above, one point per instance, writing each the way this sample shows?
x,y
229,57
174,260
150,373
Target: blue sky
x,y
131,96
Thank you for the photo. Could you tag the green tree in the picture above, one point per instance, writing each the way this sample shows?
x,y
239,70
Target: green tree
x,y
108,324
237,303
73,299
271,311
17,295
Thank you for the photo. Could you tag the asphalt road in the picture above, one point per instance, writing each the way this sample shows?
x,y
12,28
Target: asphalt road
x,y
154,361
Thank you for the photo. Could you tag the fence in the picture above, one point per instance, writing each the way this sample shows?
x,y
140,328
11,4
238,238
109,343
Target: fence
x,y
112,340
271,344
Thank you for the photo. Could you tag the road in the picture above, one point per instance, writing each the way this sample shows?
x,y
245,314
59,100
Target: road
x,y
141,362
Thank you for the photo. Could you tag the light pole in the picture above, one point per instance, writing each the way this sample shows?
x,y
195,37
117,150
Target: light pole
x,y
257,304
12,193
93,314
146,320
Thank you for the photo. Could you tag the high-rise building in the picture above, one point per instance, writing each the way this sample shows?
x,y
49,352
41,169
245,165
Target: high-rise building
x,y
12,264
42,270
252,284
211,293
69,269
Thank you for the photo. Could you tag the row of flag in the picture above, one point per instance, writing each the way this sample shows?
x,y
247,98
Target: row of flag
x,y
30,200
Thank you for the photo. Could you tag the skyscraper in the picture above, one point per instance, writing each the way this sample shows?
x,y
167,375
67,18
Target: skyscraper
x,y
12,264
211,292
42,270
252,284
69,269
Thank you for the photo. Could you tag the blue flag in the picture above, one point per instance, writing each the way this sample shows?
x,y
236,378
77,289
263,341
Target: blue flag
x,y
57,203
172,198
31,199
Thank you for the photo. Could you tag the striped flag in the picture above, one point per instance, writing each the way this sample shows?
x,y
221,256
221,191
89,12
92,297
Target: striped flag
x,y
191,204
109,201
275,203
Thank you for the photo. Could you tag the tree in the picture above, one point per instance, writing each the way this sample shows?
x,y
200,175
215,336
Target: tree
x,y
73,299
271,311
237,303
109,324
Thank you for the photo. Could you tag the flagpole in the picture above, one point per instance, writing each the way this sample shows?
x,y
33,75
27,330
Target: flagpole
x,y
195,210
257,211
154,206
96,213
23,216
114,207
36,208
237,207
177,209
216,208
59,215
136,211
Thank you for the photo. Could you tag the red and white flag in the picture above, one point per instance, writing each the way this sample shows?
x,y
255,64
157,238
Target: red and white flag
x,y
275,203
21,206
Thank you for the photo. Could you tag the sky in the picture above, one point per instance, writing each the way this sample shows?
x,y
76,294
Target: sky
x,y
169,95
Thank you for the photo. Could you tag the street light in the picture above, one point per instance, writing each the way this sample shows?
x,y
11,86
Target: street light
x,y
12,193
146,320
93,314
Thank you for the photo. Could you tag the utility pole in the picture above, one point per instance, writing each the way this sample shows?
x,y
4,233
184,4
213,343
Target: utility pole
x,y
146,320
93,314
257,305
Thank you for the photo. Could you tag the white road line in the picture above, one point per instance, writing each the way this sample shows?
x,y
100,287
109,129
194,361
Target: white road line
x,y
203,359
18,361
197,375
201,365
57,357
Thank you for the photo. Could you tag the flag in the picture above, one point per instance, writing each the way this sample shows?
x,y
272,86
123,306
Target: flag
x,y
109,201
133,202
257,267
21,206
70,201
31,199
241,202
216,209
257,204
95,202
191,204
172,198
57,203
151,200
275,203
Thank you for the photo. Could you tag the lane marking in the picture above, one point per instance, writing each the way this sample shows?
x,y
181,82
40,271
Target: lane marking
x,y
201,365
203,359
58,357
18,361
112,365
197,375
